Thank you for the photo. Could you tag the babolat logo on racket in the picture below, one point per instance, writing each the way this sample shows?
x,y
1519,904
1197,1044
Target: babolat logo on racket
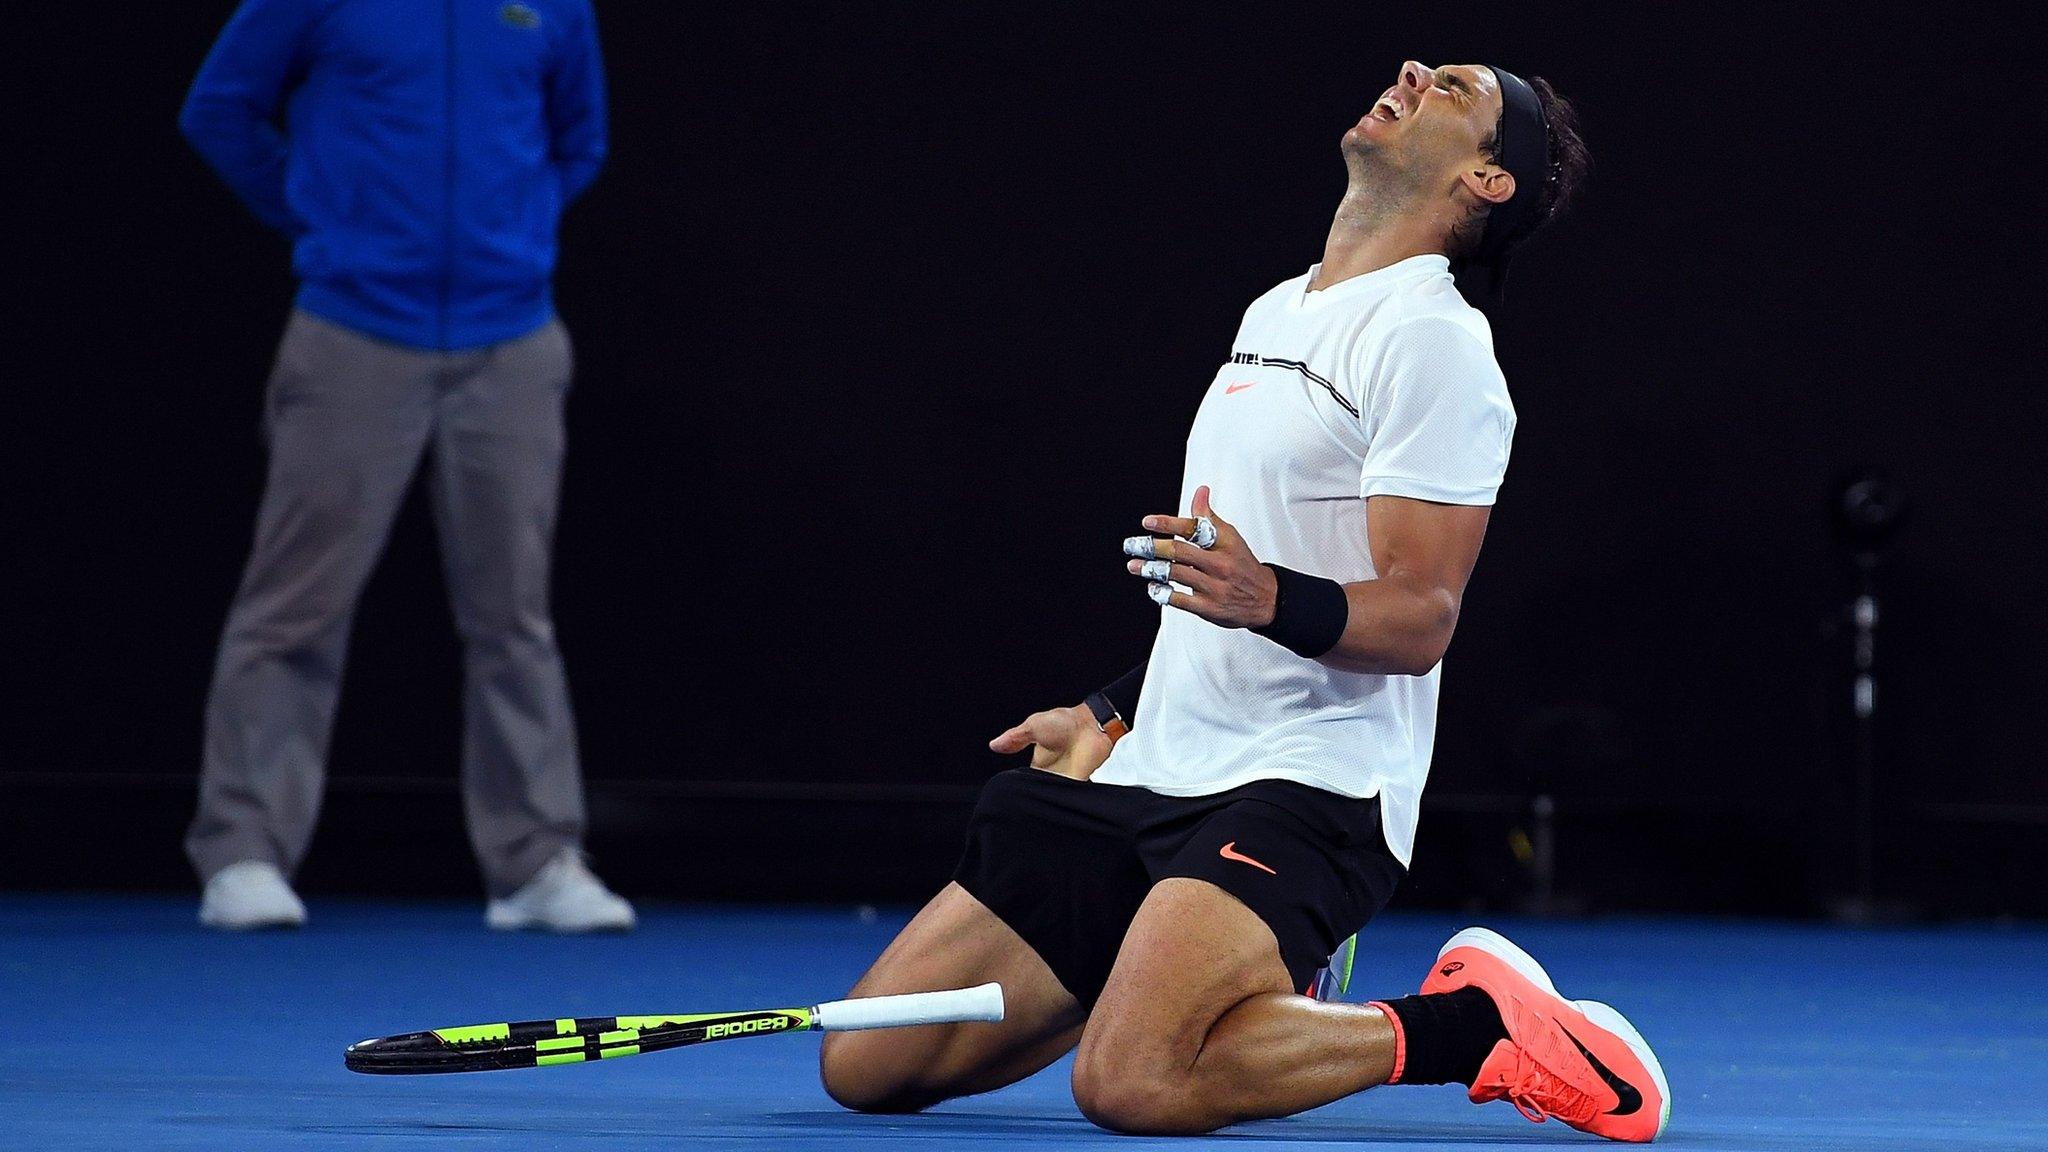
x,y
743,1027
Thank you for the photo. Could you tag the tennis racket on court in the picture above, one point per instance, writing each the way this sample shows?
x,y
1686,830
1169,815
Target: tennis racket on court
x,y
540,1043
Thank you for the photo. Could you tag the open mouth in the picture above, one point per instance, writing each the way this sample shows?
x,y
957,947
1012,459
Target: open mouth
x,y
1387,110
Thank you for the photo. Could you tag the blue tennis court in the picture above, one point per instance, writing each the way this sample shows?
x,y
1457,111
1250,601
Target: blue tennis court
x,y
127,1026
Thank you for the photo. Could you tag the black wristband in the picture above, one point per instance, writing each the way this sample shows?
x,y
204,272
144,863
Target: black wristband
x,y
1309,613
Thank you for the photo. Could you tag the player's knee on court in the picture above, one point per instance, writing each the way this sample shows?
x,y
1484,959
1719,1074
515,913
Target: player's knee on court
x,y
1128,1098
1119,1083
1137,1069
865,1072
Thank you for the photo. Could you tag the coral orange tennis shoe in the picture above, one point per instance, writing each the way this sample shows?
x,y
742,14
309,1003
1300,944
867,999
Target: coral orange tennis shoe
x,y
1577,1060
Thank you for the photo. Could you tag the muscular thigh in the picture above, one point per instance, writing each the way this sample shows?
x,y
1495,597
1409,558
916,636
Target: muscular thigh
x,y
953,942
1250,900
1193,953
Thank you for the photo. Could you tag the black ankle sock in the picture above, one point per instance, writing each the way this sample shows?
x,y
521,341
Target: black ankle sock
x,y
1447,1035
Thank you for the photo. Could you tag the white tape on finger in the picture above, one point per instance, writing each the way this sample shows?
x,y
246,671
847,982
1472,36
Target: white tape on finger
x,y
1142,547
1205,533
1157,570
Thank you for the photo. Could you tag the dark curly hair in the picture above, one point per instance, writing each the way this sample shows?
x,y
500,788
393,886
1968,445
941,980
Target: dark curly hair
x,y
1569,163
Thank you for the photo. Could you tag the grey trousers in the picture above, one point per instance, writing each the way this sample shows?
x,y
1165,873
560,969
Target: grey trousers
x,y
347,421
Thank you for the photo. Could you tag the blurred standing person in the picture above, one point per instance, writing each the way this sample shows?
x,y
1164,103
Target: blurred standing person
x,y
420,164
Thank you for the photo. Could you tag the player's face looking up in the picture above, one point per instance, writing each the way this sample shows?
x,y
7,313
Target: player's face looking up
x,y
1432,133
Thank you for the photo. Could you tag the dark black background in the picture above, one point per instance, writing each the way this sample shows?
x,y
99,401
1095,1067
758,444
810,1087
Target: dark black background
x,y
891,320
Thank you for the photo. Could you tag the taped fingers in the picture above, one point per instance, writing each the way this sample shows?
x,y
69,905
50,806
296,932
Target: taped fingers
x,y
1166,562
1175,596
1161,548
1167,572
1201,532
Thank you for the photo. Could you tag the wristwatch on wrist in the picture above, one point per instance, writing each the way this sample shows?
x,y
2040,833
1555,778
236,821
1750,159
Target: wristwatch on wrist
x,y
1106,717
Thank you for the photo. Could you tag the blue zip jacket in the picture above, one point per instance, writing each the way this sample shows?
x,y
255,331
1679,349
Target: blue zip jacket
x,y
428,148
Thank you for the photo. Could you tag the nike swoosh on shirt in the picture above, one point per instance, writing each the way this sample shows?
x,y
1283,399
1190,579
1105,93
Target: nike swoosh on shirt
x,y
1229,852
1627,1100
1236,388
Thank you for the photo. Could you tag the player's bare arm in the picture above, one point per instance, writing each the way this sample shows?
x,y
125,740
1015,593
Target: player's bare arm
x,y
1398,624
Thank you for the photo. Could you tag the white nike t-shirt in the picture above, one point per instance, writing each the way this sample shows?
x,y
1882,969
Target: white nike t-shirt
x,y
1381,385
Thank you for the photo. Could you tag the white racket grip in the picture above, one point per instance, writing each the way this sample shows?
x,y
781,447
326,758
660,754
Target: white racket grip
x,y
955,1006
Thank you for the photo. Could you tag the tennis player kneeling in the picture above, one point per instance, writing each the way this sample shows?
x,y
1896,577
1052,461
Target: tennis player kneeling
x,y
1163,894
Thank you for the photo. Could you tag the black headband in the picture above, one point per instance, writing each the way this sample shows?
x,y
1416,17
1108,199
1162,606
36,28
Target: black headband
x,y
1524,147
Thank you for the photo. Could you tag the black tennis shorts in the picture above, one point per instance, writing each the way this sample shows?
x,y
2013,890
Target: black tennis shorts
x,y
1066,863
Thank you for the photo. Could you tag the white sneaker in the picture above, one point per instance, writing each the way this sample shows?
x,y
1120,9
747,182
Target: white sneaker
x,y
250,894
563,897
